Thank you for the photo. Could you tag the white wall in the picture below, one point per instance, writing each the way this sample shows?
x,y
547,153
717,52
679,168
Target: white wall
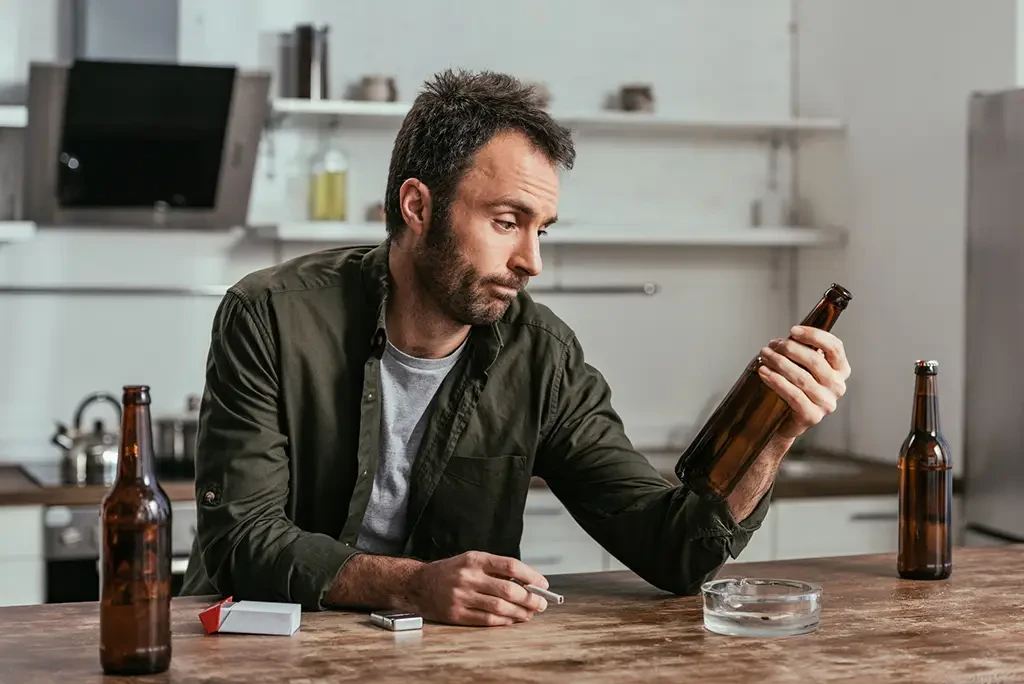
x,y
666,357
899,74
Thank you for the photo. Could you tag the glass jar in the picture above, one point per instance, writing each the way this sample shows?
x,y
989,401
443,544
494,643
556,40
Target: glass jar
x,y
328,186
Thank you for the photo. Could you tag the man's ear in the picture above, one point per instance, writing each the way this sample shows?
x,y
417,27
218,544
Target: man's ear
x,y
415,202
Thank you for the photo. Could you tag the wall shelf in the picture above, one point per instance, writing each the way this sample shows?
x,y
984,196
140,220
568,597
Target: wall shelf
x,y
363,233
13,116
16,231
336,232
372,233
598,121
16,116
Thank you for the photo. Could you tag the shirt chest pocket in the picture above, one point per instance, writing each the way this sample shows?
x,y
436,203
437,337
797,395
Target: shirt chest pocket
x,y
479,504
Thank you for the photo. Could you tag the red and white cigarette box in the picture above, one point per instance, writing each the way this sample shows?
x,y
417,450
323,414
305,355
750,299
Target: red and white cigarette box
x,y
252,617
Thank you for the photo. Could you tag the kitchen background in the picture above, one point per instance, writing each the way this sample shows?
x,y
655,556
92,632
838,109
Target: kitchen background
x,y
867,100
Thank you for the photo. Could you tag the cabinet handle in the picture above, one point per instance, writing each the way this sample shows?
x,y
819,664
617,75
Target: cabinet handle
x,y
864,517
545,511
543,560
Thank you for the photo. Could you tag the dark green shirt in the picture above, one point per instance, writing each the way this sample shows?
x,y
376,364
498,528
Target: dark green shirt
x,y
289,439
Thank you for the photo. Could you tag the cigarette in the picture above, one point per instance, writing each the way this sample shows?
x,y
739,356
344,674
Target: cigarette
x,y
558,599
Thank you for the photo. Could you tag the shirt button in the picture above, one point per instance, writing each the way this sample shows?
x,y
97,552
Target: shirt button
x,y
209,496
370,395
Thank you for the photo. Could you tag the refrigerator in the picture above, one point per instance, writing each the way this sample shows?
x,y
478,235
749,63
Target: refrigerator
x,y
994,382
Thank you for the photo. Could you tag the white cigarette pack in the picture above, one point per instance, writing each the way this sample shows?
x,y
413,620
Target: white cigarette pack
x,y
252,617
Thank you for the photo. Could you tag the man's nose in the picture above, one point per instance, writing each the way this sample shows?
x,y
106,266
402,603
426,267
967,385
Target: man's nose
x,y
526,259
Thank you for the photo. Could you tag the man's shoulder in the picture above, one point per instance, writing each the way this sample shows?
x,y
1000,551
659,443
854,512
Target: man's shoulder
x,y
528,319
323,269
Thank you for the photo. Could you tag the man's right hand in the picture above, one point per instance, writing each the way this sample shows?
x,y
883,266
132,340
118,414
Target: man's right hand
x,y
474,588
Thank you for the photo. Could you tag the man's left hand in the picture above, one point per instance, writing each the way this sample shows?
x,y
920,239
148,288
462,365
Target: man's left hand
x,y
809,371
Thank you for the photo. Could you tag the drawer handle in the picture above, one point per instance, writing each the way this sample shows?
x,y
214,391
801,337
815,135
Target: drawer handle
x,y
543,560
545,511
864,517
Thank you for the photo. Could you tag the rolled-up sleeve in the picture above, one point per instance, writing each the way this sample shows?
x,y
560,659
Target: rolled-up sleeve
x,y
248,545
668,535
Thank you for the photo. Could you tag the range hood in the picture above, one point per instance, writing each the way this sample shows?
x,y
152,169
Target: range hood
x,y
142,144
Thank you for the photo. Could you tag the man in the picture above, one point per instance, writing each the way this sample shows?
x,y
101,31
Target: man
x,y
372,416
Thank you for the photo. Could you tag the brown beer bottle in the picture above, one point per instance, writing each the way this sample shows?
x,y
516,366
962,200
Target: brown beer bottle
x,y
746,419
926,487
135,575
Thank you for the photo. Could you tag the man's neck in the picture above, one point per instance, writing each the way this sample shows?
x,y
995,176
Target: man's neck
x,y
415,323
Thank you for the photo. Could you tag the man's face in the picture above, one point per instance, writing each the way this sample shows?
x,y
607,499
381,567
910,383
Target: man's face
x,y
479,254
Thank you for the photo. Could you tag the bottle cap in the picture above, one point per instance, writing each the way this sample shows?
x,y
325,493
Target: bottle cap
x,y
926,367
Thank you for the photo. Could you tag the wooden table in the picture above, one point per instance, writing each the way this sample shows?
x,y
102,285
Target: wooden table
x,y
612,628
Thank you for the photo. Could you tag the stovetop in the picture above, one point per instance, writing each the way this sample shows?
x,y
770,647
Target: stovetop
x,y
49,474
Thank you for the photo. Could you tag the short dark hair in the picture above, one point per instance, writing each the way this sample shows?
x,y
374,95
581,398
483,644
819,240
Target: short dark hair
x,y
456,114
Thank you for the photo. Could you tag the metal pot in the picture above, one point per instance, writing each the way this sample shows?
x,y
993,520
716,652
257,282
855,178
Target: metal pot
x,y
89,457
176,441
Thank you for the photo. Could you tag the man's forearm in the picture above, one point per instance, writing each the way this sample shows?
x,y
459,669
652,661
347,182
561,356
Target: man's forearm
x,y
375,582
758,479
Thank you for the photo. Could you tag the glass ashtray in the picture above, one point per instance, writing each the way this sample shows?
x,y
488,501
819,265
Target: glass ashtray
x,y
761,607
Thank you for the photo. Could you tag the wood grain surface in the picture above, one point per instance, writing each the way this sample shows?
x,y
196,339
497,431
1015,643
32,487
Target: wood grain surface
x,y
18,489
613,627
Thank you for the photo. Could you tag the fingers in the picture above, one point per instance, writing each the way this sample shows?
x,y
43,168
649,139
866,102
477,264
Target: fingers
x,y
512,592
829,344
807,369
806,411
480,618
483,593
495,606
510,568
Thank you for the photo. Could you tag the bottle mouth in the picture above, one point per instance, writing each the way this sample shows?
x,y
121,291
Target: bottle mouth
x,y
135,394
923,367
839,295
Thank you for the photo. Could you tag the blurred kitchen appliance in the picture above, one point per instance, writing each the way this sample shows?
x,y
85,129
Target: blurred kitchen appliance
x,y
90,457
71,541
637,97
71,547
993,409
176,442
310,61
378,88
141,144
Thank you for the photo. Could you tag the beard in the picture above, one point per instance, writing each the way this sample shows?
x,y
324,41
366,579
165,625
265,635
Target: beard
x,y
461,292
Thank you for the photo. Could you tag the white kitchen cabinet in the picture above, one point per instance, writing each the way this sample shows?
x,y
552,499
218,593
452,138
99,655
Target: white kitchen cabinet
x,y
22,567
553,542
840,526
835,526
21,531
794,528
22,582
549,558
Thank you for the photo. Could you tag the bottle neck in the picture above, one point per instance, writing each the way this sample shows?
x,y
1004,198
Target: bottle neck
x,y
926,405
135,459
824,315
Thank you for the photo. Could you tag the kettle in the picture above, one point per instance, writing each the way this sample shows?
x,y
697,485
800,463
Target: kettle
x,y
90,458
